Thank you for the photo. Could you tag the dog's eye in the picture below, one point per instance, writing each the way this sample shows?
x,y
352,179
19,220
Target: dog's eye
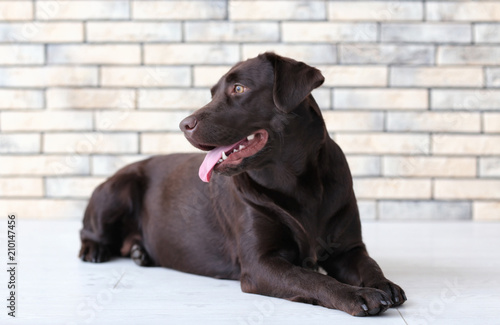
x,y
239,89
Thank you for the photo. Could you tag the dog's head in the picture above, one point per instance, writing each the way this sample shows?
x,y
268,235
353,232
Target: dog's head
x,y
251,107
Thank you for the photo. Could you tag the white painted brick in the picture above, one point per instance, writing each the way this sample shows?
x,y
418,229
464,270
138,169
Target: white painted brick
x,y
90,98
18,187
465,144
179,10
48,76
107,120
489,167
380,99
16,10
436,77
427,33
45,208
493,77
491,122
309,53
424,210
399,165
338,121
322,96
386,54
19,143
354,76
95,142
328,32
468,55
94,54
487,211
383,143
467,189
224,31
153,76
44,165
21,99
433,122
21,54
367,210
134,32
191,54
419,166
165,143
207,76
71,187
173,98
139,121
106,165
277,10
487,33
46,121
82,10
364,165
465,99
463,11
41,32
392,188
375,10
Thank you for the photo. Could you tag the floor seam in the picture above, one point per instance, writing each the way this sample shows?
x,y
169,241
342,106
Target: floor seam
x,y
117,282
404,320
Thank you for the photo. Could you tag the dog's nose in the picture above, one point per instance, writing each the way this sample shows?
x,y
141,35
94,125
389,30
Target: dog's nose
x,y
188,124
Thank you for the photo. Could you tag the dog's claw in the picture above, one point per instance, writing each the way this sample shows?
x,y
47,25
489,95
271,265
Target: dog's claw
x,y
370,302
139,255
396,294
94,252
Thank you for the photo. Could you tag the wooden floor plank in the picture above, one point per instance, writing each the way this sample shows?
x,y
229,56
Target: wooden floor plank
x,y
450,272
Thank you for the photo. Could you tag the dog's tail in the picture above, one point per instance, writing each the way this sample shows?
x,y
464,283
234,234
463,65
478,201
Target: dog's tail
x,y
112,219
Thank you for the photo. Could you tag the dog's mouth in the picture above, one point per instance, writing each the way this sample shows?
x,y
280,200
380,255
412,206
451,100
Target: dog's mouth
x,y
219,157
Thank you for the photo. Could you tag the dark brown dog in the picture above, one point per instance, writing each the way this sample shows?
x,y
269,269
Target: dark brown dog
x,y
279,205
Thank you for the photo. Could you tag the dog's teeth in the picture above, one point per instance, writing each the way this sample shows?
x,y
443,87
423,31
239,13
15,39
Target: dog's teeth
x,y
235,150
220,160
250,137
224,157
241,147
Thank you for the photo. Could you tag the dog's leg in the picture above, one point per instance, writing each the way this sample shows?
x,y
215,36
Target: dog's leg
x,y
271,267
356,267
112,215
274,276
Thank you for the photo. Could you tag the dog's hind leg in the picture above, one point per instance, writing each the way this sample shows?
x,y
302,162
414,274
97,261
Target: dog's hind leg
x,y
133,247
112,215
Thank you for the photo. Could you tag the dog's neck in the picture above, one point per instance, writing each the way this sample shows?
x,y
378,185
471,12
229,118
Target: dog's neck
x,y
296,164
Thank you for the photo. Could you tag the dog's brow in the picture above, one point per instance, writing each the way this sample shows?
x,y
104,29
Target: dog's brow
x,y
232,77
235,77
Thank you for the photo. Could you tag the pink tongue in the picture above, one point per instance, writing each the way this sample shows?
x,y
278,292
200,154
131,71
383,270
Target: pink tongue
x,y
211,159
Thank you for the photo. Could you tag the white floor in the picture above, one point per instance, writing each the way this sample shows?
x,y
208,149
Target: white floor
x,y
450,272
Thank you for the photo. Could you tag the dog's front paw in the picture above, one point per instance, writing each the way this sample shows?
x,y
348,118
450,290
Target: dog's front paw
x,y
94,252
394,291
369,302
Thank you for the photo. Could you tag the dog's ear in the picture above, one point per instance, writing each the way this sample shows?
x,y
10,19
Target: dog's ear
x,y
293,81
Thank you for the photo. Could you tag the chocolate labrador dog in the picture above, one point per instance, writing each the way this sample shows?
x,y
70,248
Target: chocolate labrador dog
x,y
275,201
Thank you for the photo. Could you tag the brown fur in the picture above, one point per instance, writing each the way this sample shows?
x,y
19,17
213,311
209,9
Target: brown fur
x,y
270,221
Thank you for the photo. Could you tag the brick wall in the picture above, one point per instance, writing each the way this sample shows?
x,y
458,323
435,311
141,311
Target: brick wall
x,y
412,93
